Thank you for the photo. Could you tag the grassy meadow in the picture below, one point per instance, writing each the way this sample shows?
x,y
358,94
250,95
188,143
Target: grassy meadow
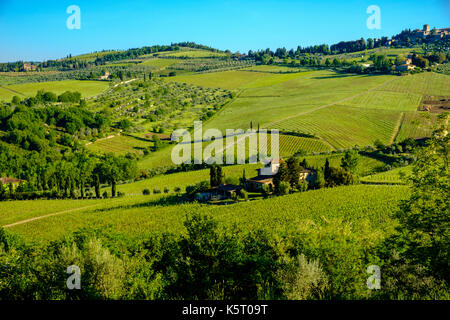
x,y
119,144
86,88
354,213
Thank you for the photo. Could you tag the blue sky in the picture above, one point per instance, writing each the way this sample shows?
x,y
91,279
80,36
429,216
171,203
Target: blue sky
x,y
36,30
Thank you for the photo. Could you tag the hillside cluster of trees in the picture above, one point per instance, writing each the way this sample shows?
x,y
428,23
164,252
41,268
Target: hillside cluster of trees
x,y
287,178
38,144
323,49
35,124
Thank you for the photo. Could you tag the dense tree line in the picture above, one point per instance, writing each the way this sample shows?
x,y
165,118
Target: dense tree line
x,y
39,146
264,56
134,53
66,176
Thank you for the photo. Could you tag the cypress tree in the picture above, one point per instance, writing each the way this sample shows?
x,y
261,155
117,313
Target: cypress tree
x,y
326,170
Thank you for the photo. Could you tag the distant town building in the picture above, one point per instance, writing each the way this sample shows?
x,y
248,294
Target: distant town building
x,y
29,67
105,76
434,33
406,65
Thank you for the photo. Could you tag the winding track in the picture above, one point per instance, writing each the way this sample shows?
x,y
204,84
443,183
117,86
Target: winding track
x,y
49,215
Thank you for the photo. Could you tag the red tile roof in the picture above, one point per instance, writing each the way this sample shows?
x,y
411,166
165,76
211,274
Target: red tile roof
x,y
7,180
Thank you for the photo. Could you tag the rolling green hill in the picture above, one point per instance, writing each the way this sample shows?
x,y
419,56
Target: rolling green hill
x,y
86,88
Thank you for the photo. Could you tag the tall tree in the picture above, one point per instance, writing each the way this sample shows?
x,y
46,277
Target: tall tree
x,y
424,230
293,166
326,170
350,161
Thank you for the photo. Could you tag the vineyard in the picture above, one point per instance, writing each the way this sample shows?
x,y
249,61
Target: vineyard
x,y
387,100
394,176
357,214
428,83
119,144
416,125
290,145
345,127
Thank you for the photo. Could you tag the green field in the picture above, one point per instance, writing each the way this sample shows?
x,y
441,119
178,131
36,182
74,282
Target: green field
x,y
363,56
367,165
159,63
193,53
225,79
415,125
357,213
86,88
120,144
345,127
274,69
428,83
387,100
394,176
298,94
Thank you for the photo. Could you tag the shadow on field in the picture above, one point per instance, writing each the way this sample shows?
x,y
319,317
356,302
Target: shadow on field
x,y
168,200
336,76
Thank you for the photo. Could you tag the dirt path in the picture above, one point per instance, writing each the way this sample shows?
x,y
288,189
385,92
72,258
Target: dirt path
x,y
397,128
49,215
106,138
124,82
329,104
13,91
110,89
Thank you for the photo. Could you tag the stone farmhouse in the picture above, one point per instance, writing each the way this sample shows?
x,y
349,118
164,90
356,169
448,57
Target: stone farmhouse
x,y
266,174
7,181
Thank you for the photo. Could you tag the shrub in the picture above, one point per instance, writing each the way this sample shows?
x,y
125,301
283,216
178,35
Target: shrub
x,y
156,190
302,279
146,192
102,273
199,187
105,194
265,191
284,188
166,190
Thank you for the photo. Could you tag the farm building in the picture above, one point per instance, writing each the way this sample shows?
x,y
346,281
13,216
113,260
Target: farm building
x,y
255,184
223,191
29,67
6,181
105,76
307,175
226,191
264,177
406,65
